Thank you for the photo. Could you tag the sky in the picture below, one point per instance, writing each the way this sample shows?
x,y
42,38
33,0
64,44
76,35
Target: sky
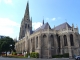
x,y
55,12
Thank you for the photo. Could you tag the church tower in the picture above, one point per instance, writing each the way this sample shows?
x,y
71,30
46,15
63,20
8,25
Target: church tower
x,y
26,23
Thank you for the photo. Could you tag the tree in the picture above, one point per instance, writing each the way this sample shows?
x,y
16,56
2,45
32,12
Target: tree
x,y
7,44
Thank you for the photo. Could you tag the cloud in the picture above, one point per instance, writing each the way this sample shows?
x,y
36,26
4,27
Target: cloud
x,y
0,0
53,19
36,25
6,1
8,27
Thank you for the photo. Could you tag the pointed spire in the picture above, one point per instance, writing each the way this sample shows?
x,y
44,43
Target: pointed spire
x,y
72,25
27,7
54,26
66,26
76,26
28,4
43,20
27,15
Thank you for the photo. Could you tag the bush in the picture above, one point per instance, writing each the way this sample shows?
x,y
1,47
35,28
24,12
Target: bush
x,y
34,55
27,54
14,53
57,56
65,55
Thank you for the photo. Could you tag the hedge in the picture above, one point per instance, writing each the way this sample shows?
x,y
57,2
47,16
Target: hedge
x,y
65,55
33,55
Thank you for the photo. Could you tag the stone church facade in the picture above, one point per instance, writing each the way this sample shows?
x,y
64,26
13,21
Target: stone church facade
x,y
47,41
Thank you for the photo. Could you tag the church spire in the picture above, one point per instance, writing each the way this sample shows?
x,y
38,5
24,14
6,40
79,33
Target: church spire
x,y
27,12
28,5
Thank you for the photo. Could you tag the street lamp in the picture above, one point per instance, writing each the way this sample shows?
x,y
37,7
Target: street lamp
x,y
10,48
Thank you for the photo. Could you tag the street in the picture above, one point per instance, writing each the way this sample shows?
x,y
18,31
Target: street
x,y
2,58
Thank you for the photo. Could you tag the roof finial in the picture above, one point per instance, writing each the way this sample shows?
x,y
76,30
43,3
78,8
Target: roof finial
x,y
43,20
72,25
66,20
76,26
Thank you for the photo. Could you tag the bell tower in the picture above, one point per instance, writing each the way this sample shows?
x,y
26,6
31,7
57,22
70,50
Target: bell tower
x,y
26,23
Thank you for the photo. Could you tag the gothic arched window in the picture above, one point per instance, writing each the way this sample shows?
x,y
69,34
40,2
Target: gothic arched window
x,y
25,25
44,36
28,25
65,40
52,40
36,42
71,40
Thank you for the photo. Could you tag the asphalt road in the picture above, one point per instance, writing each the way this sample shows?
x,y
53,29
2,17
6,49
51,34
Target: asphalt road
x,y
2,58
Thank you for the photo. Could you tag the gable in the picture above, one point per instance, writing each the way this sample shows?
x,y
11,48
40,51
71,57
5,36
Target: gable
x,y
62,26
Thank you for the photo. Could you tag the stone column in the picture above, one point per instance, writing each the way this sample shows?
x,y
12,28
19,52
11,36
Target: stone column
x,y
35,43
39,45
76,44
25,44
69,46
30,46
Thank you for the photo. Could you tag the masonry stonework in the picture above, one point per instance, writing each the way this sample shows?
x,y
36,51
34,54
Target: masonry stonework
x,y
48,41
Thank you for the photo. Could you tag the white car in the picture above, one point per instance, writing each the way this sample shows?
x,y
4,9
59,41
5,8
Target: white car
x,y
77,57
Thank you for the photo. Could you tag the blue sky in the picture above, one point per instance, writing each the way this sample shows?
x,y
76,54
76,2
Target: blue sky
x,y
54,11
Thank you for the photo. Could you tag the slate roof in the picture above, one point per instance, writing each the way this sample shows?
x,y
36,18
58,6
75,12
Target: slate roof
x,y
31,32
44,26
63,26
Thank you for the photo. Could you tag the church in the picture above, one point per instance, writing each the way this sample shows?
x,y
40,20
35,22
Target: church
x,y
47,41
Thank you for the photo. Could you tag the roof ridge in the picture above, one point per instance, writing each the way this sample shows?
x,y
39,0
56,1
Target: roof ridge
x,y
41,26
61,24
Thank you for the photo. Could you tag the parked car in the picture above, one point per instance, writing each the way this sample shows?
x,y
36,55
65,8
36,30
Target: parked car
x,y
77,57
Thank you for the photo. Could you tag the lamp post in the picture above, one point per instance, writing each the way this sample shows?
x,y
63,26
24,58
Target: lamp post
x,y
10,48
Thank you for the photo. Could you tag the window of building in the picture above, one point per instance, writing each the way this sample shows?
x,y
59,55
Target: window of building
x,y
44,36
28,25
52,40
25,25
58,41
65,40
36,42
71,40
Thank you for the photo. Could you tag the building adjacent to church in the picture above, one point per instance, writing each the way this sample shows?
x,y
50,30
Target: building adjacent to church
x,y
47,41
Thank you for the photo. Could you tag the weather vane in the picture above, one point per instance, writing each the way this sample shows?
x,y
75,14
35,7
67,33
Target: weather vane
x,y
66,20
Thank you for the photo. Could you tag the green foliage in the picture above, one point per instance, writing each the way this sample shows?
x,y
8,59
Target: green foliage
x,y
57,56
7,44
65,55
34,55
27,54
14,53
